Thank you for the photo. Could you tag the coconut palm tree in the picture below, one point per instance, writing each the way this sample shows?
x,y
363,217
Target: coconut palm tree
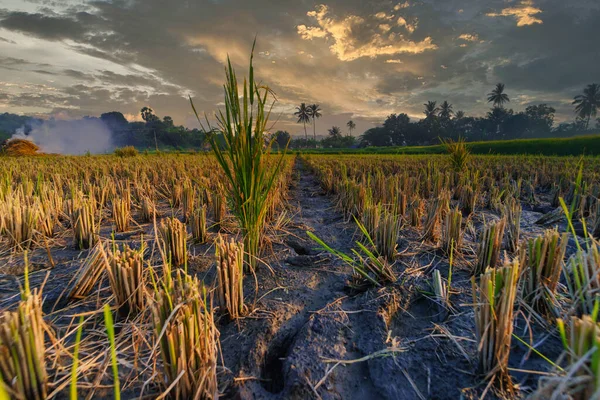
x,y
351,126
303,114
431,109
335,132
459,115
315,113
587,104
445,110
497,96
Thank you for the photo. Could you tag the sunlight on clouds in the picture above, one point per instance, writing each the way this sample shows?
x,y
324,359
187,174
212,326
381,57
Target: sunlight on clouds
x,y
347,47
409,27
525,13
401,5
394,61
469,37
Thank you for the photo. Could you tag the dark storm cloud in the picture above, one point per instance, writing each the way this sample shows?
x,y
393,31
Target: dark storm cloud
x,y
358,59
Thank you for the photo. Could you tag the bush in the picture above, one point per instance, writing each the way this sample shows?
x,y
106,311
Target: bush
x,y
127,151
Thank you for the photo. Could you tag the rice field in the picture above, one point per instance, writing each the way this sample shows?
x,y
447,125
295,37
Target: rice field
x,y
374,276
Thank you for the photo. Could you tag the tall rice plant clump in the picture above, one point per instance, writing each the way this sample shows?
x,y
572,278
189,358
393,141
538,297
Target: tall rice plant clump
x,y
243,158
541,262
490,244
126,277
436,210
582,274
493,299
174,235
84,225
459,153
189,340
512,212
20,221
452,234
22,348
230,275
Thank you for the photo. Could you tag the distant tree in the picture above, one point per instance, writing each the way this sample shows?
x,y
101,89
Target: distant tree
x,y
540,118
148,115
445,111
351,126
497,116
497,96
597,123
398,126
378,136
459,115
431,109
315,113
303,114
282,138
587,104
114,119
335,132
168,121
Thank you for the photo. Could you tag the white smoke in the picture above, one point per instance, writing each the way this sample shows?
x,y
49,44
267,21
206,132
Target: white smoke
x,y
69,137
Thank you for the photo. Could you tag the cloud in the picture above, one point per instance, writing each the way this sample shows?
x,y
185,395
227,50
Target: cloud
x,y
353,38
469,37
525,13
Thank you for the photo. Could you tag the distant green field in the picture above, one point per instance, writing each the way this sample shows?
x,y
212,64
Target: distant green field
x,y
573,146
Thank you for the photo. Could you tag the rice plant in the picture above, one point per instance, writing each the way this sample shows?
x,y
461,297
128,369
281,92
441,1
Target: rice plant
x,y
218,209
126,277
436,210
452,234
244,159
198,225
20,221
490,244
582,273
121,211
493,299
173,233
22,346
83,223
147,209
230,276
184,326
512,212
89,272
459,153
541,263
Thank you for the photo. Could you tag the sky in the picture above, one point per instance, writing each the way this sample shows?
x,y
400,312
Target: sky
x,y
359,60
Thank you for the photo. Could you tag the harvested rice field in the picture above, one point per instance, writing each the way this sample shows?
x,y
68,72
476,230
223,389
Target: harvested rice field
x,y
326,277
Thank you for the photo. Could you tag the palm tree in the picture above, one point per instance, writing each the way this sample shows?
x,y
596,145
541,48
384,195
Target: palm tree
x,y
315,113
587,104
497,96
459,115
303,114
351,126
445,110
335,132
431,109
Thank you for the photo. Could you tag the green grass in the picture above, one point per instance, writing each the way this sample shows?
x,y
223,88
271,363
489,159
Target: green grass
x,y
573,146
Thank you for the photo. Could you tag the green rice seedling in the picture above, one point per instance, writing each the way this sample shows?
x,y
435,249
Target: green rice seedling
x,y
493,299
459,153
582,273
512,213
121,211
22,347
452,233
244,157
366,263
126,278
110,331
541,263
89,272
198,225
230,276
490,243
84,226
73,387
174,235
218,209
184,327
